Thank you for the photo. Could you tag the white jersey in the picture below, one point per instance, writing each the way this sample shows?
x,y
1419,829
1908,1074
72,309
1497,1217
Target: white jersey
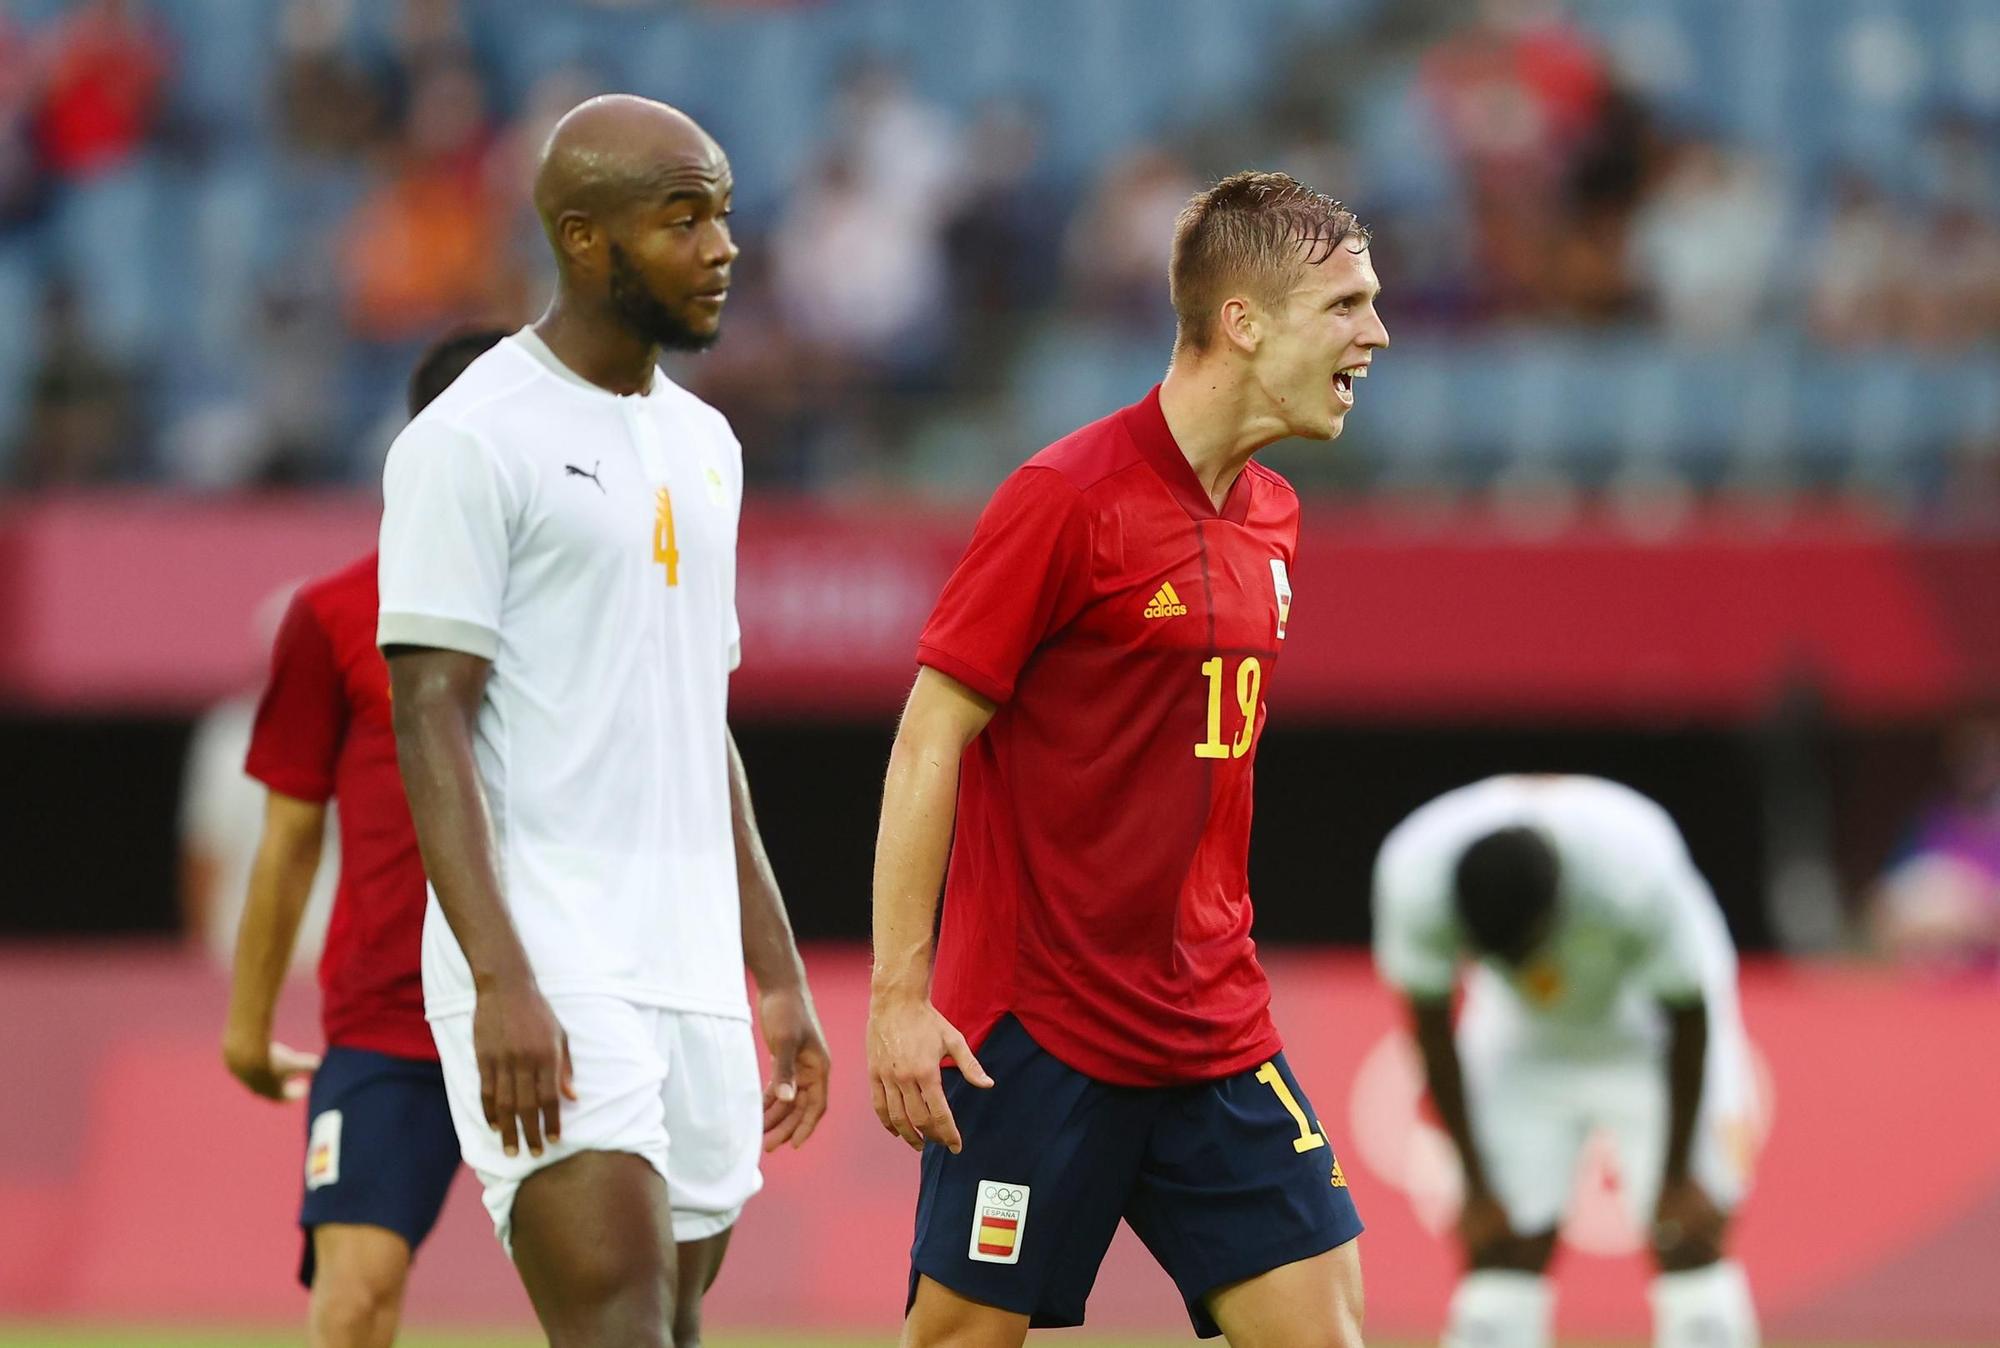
x,y
585,544
1635,922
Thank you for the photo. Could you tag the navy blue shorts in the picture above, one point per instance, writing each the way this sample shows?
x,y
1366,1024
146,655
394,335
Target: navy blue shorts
x,y
380,1150
1222,1180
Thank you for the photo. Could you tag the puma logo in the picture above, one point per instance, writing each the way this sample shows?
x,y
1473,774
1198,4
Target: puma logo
x,y
571,470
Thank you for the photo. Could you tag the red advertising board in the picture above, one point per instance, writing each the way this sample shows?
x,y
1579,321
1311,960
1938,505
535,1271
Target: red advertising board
x,y
144,1185
135,600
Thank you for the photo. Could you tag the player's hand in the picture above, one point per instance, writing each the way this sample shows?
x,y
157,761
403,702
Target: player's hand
x,y
1687,1226
907,1038
524,1067
795,1098
273,1070
1483,1228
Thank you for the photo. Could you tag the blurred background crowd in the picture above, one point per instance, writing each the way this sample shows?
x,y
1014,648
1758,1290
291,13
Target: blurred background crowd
x,y
1643,254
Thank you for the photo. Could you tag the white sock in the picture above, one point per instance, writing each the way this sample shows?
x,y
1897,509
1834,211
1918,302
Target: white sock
x,y
1496,1309
1706,1307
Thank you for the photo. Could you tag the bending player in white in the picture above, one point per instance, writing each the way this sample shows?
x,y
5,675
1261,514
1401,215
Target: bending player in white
x,y
1602,996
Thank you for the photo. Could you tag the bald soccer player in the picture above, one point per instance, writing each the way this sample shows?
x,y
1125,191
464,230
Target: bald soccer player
x,y
558,610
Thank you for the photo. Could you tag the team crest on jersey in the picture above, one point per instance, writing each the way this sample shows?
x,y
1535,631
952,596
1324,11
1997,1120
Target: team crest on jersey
x,y
323,1151
999,1220
1282,584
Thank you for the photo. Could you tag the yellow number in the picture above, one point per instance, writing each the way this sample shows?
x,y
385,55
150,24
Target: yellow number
x,y
664,551
1307,1140
1249,685
1213,747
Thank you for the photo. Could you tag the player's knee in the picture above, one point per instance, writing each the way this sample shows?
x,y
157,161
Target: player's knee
x,y
355,1308
1513,1254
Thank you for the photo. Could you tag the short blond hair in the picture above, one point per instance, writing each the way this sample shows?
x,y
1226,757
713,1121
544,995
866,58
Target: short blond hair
x,y
1252,233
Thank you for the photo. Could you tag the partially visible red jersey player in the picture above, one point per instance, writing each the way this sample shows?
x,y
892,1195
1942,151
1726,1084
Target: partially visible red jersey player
x,y
1087,711
380,1150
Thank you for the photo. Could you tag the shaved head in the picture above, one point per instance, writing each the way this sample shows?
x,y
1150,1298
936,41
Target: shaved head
x,y
616,151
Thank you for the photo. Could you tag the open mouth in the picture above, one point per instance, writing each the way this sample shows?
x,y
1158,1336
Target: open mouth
x,y
1343,382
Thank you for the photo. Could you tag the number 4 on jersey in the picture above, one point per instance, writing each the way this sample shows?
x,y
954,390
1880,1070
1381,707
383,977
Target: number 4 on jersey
x,y
664,551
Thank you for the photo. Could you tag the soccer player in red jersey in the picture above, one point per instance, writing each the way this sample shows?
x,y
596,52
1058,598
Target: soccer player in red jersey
x,y
380,1151
1079,745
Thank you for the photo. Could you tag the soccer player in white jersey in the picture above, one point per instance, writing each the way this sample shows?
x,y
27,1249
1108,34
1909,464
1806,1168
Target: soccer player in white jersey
x,y
1602,995
558,583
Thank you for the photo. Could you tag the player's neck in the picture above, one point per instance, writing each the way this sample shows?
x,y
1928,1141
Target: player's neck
x,y
600,350
1210,414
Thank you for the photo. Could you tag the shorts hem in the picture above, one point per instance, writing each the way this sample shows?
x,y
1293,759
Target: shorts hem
x,y
1037,1318
702,1225
1249,1265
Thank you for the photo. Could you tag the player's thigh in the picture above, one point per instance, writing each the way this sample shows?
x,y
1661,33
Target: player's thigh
x,y
712,1101
939,1316
1239,1179
1527,1122
381,1150
1019,1220
1309,1303
618,1077
698,1263
593,1240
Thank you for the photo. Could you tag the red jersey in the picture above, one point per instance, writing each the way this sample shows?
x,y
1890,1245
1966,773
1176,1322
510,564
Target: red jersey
x,y
1098,886
323,731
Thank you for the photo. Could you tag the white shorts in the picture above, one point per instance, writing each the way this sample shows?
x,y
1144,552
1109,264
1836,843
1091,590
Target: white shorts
x,y
1535,1113
678,1088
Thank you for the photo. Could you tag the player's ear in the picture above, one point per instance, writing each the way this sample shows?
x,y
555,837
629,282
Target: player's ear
x,y
1240,324
581,240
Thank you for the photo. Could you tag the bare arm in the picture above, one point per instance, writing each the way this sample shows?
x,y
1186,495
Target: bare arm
x,y
1687,1226
1431,1019
281,880
800,1063
523,1056
1687,1052
906,1036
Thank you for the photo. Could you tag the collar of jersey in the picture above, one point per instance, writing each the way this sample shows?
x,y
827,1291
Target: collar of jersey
x,y
532,343
1147,425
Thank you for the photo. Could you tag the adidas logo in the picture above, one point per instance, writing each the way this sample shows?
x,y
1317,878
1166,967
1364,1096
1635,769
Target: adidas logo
x,y
1166,604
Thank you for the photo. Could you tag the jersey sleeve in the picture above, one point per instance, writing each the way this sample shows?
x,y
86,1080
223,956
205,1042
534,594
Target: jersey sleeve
x,y
448,511
1416,939
1024,575
302,716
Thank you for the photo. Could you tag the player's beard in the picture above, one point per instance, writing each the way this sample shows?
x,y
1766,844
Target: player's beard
x,y
642,311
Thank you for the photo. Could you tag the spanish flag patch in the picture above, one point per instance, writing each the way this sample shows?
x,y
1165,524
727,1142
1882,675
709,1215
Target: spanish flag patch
x,y
999,1219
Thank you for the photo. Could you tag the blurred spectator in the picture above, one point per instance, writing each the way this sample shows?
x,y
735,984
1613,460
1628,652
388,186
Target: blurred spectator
x,y
330,102
422,250
1707,241
1001,232
1857,268
861,278
1954,296
81,424
1516,93
1939,902
102,94
23,180
1119,246
904,151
